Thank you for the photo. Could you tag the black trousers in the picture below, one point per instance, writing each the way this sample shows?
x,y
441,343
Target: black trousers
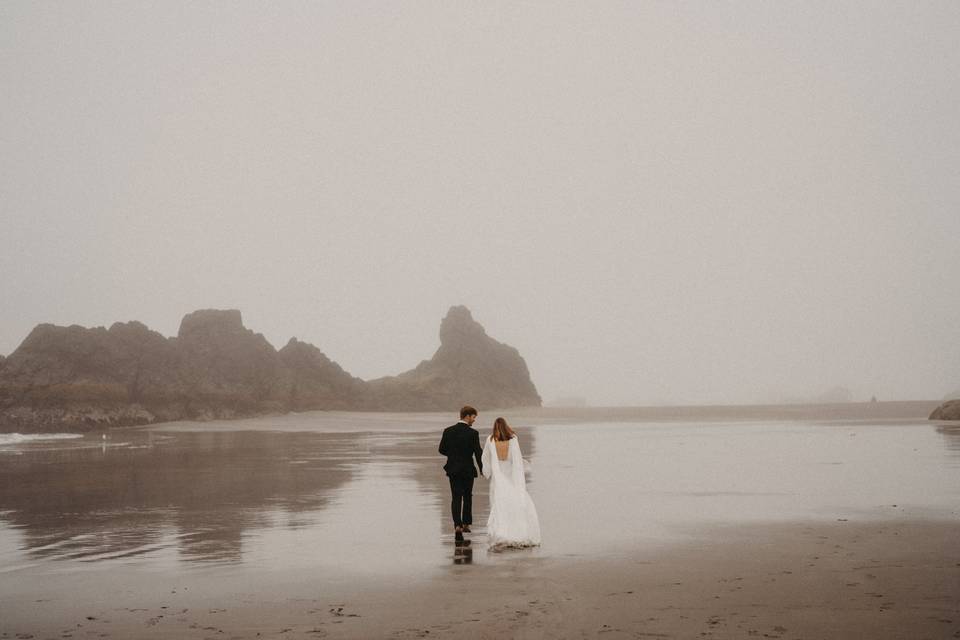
x,y
461,488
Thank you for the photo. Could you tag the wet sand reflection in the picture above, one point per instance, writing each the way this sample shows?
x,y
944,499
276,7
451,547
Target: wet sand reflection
x,y
203,495
369,503
197,491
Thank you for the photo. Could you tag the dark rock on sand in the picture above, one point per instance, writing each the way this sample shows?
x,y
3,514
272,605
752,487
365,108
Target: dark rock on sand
x,y
76,378
79,379
226,370
469,366
949,410
317,381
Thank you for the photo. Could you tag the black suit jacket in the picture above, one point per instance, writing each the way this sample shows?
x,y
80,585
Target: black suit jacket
x,y
460,443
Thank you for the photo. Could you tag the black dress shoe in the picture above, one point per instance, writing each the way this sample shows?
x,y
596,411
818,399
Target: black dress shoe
x,y
458,535
466,528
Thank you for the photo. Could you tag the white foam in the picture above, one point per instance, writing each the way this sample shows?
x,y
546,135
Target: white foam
x,y
20,438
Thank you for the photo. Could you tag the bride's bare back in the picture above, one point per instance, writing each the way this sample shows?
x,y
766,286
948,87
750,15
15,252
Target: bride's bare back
x,y
503,447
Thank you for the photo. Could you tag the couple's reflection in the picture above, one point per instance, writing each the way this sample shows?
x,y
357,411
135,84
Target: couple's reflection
x,y
463,552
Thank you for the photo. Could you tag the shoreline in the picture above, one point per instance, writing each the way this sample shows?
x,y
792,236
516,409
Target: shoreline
x,y
532,416
843,579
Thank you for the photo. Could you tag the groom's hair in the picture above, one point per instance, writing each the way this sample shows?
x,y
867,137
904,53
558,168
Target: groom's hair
x,y
467,411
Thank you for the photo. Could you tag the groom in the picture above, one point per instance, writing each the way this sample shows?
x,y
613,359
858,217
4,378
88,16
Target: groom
x,y
460,443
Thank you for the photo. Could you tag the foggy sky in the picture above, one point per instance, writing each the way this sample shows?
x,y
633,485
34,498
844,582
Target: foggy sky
x,y
655,202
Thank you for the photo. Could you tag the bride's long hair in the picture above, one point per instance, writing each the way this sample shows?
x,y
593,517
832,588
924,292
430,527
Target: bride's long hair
x,y
501,430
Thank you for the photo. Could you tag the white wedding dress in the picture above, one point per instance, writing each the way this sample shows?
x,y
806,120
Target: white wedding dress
x,y
513,518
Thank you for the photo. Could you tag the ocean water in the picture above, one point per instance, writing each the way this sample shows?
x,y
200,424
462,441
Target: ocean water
x,y
347,497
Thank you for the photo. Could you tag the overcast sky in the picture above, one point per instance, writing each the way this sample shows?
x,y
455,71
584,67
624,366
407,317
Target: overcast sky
x,y
655,202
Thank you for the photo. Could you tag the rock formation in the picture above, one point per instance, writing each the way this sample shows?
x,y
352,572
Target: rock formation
x,y
225,369
72,375
75,378
468,366
949,410
318,382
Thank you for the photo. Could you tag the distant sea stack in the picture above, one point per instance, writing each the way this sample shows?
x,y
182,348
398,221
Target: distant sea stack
x,y
79,379
469,366
949,410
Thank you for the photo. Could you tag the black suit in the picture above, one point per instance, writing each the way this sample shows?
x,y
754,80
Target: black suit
x,y
461,443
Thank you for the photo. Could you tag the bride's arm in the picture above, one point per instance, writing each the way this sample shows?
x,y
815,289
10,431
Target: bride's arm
x,y
486,459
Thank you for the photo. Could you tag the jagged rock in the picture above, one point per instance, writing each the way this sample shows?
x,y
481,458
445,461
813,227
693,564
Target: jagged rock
x,y
212,322
144,362
225,369
317,381
74,378
79,364
75,416
949,410
469,366
77,379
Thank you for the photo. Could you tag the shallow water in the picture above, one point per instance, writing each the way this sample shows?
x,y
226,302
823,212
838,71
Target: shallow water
x,y
295,494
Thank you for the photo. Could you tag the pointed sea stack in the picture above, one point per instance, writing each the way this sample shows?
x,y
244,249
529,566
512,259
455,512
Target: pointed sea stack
x,y
469,366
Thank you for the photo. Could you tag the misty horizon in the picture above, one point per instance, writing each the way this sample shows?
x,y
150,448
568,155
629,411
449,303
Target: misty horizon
x,y
655,204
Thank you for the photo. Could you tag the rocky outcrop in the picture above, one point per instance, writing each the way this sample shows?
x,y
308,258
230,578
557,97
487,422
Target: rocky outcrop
x,y
77,379
74,378
469,366
319,382
226,370
949,410
69,377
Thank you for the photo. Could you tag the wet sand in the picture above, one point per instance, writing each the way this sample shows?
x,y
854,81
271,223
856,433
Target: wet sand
x,y
292,527
880,580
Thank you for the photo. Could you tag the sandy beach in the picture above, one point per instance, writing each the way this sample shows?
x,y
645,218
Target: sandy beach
x,y
896,579
293,527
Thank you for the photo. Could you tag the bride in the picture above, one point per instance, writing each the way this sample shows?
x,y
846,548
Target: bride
x,y
513,518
